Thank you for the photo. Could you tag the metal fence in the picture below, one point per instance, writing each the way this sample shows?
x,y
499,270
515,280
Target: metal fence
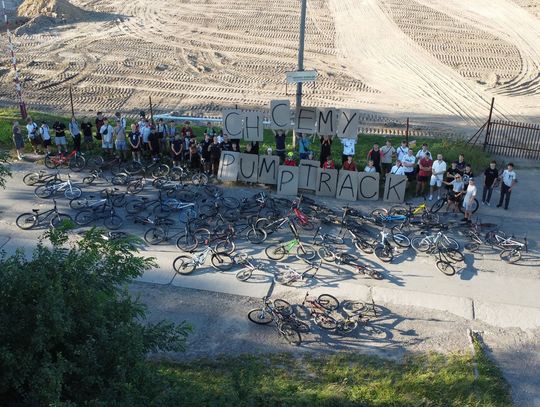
x,y
511,139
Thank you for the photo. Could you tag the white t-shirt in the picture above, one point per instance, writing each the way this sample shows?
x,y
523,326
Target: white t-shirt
x,y
348,146
402,152
397,170
408,159
421,154
145,133
471,192
106,128
438,169
44,131
387,154
369,169
32,127
508,177
457,186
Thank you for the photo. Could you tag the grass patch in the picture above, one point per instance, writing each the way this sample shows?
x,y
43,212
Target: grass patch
x,y
338,380
450,148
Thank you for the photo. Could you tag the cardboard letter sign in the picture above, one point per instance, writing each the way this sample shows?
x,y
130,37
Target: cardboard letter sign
x,y
268,168
229,164
347,186
249,166
305,119
253,126
280,114
287,180
394,188
368,186
308,174
348,123
327,121
326,182
232,123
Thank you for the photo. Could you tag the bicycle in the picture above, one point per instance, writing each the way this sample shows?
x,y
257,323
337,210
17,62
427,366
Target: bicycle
x,y
155,168
113,163
319,310
55,186
403,214
350,260
94,176
384,250
288,276
326,238
41,177
279,311
511,249
74,161
104,211
279,250
439,203
185,264
31,220
425,243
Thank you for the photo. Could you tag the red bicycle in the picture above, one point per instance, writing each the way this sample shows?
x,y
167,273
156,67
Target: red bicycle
x,y
72,161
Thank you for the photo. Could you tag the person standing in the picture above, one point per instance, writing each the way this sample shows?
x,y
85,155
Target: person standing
x,y
100,120
120,140
461,163
422,152
437,175
424,173
388,152
226,144
349,165
509,180
369,167
375,155
326,148
176,150
121,119
33,134
455,193
468,201
86,127
171,132
205,152
402,151
215,156
349,145
106,134
162,134
154,144
18,140
409,162
60,136
135,141
467,174
304,145
145,131
398,169
45,134
75,132
280,137
491,174
451,174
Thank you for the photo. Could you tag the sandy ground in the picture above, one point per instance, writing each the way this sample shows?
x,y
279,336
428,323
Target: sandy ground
x,y
436,61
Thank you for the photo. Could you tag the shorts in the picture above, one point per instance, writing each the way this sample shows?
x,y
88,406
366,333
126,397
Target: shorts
x,y
435,181
135,149
46,143
60,141
121,145
106,144
36,141
409,175
422,178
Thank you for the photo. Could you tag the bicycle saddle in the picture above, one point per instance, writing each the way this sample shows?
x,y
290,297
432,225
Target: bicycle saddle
x,y
35,210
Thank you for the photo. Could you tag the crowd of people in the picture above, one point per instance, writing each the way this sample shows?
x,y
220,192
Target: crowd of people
x,y
154,139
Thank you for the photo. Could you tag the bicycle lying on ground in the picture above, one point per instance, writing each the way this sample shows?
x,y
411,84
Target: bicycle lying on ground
x,y
74,161
288,275
342,258
55,186
186,264
37,218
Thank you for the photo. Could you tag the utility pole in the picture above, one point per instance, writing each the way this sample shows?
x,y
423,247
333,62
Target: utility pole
x,y
11,48
300,58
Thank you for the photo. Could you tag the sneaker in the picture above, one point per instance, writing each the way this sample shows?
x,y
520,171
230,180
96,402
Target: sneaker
x,y
498,206
483,203
431,198
487,204
464,220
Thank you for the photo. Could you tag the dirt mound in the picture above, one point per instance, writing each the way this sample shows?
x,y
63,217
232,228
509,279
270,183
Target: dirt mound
x,y
62,9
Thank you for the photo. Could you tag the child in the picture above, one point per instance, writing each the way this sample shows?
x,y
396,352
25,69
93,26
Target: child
x,y
329,163
349,164
120,139
289,161
468,201
176,150
135,141
491,174
60,136
455,194
45,137
397,169
370,167
106,134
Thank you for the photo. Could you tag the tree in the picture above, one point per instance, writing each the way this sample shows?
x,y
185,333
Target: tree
x,y
4,169
70,333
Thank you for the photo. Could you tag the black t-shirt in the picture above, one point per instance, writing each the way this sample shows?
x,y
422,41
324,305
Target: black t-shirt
x,y
134,137
280,141
177,145
491,175
466,176
215,151
451,171
154,140
60,129
461,166
226,146
86,128
205,152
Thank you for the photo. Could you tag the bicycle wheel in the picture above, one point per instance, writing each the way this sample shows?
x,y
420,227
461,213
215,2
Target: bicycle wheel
x,y
244,275
43,191
230,202
73,192
117,168
256,235
199,179
88,180
446,268
186,242
119,179
184,264
510,255
275,252
421,243
328,301
154,236
26,221
208,211
283,278
290,334
113,222
77,163
222,261
49,162
135,206
203,236
437,205
430,218
374,274
85,217
160,170
384,253
119,201
326,254
363,245
404,229
260,316
325,321
346,326
226,246
59,218
134,187
472,247
446,242
305,252
133,167
401,240
31,179
308,225
491,237
283,307
187,214
452,255
95,163
379,213
353,307
397,210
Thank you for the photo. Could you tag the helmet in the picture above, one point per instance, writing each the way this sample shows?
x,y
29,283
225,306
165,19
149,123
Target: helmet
x,y
290,154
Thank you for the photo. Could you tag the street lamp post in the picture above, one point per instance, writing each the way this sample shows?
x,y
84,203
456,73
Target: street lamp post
x,y
300,58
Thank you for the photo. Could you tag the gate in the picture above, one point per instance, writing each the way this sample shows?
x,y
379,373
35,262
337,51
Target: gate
x,y
517,140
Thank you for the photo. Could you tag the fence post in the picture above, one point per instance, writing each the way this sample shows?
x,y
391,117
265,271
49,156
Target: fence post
x,y
488,129
407,132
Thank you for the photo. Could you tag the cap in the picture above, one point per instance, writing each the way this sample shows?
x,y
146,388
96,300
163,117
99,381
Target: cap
x,y
290,154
